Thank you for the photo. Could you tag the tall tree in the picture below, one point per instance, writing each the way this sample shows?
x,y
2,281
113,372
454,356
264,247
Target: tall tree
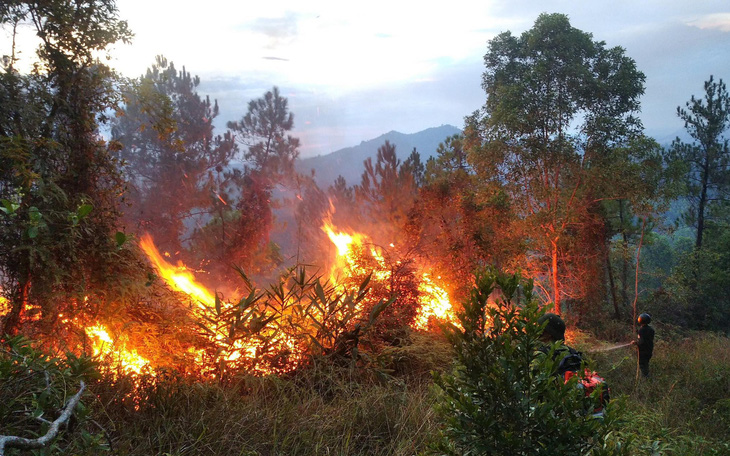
x,y
387,191
708,156
463,220
238,233
170,150
263,132
58,180
644,191
697,288
557,103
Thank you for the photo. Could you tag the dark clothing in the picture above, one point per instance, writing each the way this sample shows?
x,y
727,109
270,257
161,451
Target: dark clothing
x,y
566,359
645,342
644,365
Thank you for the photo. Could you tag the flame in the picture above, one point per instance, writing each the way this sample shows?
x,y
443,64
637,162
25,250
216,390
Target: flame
x,y
434,305
4,305
345,244
180,279
434,302
178,276
115,350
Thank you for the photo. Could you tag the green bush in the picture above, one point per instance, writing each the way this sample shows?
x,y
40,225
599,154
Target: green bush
x,y
35,389
503,398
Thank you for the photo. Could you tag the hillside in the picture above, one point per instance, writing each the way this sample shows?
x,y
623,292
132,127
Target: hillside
x,y
348,162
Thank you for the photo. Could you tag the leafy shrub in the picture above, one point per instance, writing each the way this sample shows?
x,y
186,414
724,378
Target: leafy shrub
x,y
503,398
286,325
34,390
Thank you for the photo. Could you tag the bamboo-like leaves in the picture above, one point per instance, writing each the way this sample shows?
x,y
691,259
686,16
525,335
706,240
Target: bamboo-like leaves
x,y
294,319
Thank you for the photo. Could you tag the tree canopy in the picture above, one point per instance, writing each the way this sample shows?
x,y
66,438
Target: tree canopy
x,y
558,104
59,182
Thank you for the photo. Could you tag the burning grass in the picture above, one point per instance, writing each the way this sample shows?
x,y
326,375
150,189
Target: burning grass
x,y
371,293
323,409
277,371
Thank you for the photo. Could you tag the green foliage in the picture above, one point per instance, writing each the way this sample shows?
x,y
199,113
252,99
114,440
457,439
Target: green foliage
x,y
387,192
58,181
35,387
241,203
558,125
682,409
707,159
290,323
463,221
263,129
503,397
166,138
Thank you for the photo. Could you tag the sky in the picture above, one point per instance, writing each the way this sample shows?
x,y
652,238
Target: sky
x,y
355,70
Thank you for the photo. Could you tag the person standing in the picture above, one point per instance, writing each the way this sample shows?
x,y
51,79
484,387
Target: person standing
x,y
645,343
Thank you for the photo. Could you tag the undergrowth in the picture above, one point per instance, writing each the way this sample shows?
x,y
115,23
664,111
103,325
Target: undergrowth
x,y
684,407
323,409
384,409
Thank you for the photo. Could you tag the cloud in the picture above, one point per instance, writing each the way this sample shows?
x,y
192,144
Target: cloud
x,y
718,21
279,30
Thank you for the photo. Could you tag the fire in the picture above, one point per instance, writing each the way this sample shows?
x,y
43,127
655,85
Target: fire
x,y
178,276
274,340
345,244
433,299
435,303
115,351
4,305
180,279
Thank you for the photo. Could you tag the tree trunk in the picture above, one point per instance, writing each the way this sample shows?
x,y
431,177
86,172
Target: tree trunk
x,y
701,205
636,280
556,284
612,283
624,257
20,303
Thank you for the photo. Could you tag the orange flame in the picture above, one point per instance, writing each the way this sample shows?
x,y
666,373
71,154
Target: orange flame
x,y
115,351
178,276
434,304
180,279
434,299
4,305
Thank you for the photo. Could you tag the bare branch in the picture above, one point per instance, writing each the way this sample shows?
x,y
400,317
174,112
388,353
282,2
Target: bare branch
x,y
12,441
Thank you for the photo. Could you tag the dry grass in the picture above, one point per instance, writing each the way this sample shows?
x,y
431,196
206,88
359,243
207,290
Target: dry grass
x,y
324,410
685,405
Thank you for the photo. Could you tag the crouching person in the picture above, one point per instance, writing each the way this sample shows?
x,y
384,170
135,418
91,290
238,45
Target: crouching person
x,y
570,361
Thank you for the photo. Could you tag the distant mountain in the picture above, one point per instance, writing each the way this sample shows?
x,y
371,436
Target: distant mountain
x,y
348,162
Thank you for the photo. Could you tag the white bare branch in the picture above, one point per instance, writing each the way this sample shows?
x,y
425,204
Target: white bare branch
x,y
12,441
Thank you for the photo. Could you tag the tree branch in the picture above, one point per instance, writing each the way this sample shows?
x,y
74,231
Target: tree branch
x,y
28,444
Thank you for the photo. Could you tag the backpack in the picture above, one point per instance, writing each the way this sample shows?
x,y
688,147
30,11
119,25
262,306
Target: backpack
x,y
570,365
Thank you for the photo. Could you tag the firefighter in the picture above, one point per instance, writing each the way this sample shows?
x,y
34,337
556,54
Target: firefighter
x,y
569,362
645,343
554,329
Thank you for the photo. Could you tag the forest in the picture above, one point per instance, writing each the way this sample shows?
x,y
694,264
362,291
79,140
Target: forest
x,y
167,288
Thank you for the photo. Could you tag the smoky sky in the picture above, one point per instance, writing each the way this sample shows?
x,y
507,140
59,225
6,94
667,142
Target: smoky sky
x,y
676,46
